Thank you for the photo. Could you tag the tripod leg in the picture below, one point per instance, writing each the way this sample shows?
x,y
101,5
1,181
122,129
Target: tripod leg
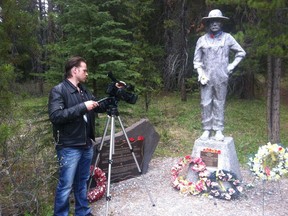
x,y
100,148
110,161
129,144
102,140
136,162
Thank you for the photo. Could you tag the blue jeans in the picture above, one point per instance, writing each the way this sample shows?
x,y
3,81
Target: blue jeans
x,y
74,172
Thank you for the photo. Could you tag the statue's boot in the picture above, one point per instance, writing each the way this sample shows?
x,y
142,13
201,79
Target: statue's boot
x,y
205,135
219,136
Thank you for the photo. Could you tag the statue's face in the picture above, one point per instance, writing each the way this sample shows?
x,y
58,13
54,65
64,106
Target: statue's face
x,y
215,25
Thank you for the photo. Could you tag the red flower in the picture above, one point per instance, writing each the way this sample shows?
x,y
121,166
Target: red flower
x,y
188,157
131,139
200,186
140,138
267,171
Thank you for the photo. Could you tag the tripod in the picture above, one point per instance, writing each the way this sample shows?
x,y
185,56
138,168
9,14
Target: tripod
x,y
112,113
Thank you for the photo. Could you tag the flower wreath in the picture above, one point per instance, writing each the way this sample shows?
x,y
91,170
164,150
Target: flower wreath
x,y
185,186
215,182
100,179
270,162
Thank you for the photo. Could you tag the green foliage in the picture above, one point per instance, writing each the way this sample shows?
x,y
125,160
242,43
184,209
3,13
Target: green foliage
x,y
18,44
224,2
169,24
6,105
7,77
140,19
272,40
266,4
28,163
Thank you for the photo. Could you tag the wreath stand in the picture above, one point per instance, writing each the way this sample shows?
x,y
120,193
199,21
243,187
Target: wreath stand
x,y
263,193
112,112
263,152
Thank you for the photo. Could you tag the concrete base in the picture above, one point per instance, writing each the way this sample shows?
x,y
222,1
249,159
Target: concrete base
x,y
227,159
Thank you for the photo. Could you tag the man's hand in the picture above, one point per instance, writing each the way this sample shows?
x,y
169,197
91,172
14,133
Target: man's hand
x,y
120,84
90,105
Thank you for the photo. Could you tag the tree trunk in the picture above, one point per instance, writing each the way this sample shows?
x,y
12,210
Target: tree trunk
x,y
175,67
42,41
184,53
248,91
273,98
168,69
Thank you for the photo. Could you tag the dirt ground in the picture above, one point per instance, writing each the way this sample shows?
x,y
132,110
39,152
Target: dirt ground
x,y
131,197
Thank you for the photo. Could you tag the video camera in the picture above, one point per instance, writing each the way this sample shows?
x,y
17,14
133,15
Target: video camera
x,y
119,93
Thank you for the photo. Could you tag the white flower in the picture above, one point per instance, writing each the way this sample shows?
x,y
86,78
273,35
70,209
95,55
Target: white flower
x,y
204,79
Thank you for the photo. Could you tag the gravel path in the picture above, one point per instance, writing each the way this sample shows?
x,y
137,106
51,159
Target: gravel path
x,y
130,198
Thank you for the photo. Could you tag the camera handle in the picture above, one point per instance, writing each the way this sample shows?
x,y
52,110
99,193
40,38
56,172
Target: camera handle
x,y
112,112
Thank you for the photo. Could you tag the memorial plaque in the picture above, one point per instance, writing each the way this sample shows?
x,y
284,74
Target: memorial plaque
x,y
209,158
124,165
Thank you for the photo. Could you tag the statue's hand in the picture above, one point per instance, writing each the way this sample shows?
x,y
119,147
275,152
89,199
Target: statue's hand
x,y
230,68
202,78
200,72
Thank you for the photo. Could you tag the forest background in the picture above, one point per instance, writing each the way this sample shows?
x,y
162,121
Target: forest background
x,y
148,44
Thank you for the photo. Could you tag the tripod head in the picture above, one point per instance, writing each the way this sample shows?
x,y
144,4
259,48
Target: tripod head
x,y
112,110
110,104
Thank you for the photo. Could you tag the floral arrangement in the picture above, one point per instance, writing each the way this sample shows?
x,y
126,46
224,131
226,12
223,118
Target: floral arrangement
x,y
185,186
270,162
217,189
212,150
139,138
100,179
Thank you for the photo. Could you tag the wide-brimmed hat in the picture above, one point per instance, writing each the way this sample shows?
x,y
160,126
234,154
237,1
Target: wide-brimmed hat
x,y
215,14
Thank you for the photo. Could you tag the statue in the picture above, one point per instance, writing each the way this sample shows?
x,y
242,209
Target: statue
x,y
211,60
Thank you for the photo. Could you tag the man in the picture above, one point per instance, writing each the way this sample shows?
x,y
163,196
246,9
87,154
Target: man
x,y
211,60
72,112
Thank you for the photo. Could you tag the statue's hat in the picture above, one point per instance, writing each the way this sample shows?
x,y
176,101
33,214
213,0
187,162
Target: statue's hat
x,y
215,14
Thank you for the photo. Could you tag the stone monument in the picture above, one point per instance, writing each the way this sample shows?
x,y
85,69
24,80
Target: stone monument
x,y
144,140
211,60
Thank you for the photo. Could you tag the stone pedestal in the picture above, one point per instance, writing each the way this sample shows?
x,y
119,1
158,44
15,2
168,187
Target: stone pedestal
x,y
216,155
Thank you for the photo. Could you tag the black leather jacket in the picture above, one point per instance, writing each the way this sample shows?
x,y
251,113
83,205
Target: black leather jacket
x,y
66,110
